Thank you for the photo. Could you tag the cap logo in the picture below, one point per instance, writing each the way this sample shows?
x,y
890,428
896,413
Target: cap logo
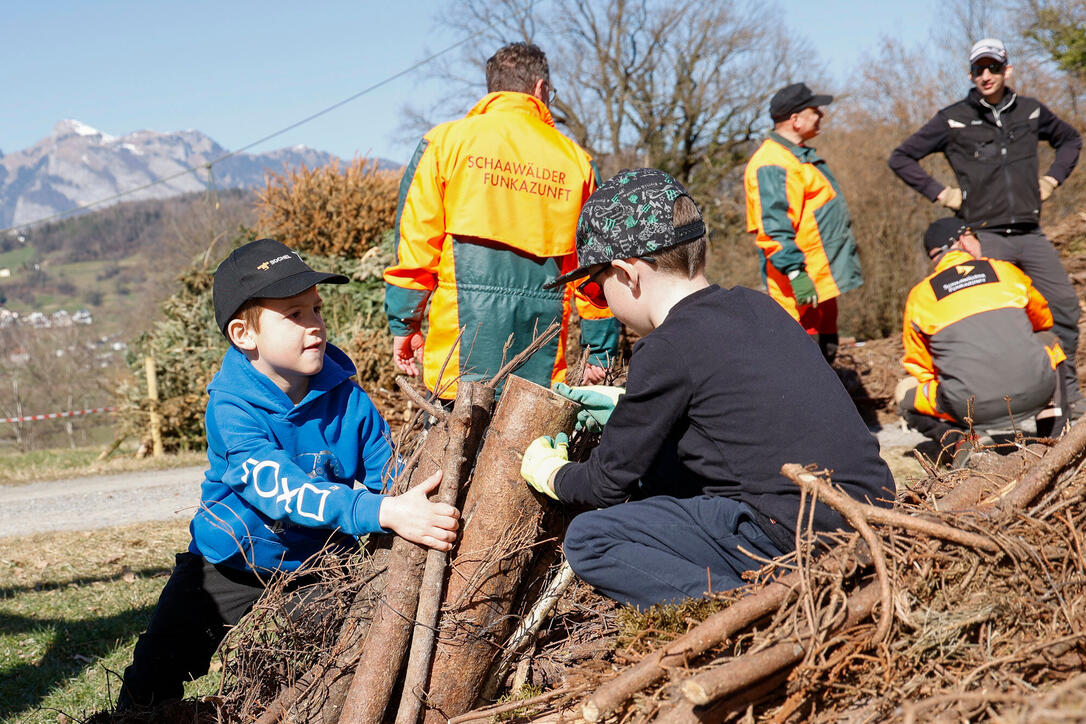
x,y
265,266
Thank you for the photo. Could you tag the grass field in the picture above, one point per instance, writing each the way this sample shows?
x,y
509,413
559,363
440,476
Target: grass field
x,y
16,257
71,607
16,467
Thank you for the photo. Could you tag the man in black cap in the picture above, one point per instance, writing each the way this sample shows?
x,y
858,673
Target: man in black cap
x,y
975,334
990,140
723,389
800,220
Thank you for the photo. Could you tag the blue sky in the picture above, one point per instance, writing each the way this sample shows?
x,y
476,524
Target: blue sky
x,y
240,70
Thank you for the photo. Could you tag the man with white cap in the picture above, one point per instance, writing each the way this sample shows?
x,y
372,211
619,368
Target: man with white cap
x,y
990,140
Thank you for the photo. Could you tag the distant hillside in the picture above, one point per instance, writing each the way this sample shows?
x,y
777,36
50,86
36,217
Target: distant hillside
x,y
121,261
77,164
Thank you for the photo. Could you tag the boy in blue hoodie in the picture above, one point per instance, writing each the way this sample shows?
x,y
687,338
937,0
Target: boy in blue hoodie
x,y
289,434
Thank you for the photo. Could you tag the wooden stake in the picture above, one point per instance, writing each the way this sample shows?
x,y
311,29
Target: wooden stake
x,y
152,395
388,636
469,395
502,518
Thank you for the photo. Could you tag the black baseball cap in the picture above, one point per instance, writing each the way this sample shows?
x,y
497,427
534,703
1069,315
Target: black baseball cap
x,y
631,215
793,99
266,269
943,233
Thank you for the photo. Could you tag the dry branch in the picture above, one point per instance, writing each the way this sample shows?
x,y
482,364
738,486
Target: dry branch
x,y
470,395
514,364
712,631
745,671
885,516
530,625
502,518
1069,448
437,411
388,636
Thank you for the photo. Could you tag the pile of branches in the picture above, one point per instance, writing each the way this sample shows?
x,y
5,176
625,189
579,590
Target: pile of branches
x,y
966,601
966,607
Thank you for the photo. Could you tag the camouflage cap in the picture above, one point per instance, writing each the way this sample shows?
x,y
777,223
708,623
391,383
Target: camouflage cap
x,y
629,216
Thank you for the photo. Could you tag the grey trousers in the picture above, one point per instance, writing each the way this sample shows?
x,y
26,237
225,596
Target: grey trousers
x,y
1034,254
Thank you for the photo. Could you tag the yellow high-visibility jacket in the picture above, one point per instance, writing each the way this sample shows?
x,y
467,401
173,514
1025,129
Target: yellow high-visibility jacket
x,y
969,334
487,215
800,221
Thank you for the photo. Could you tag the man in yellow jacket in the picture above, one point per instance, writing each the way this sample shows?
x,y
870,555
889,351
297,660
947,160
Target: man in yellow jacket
x,y
976,332
487,215
799,218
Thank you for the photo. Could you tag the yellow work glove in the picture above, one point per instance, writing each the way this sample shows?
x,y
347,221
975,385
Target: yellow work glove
x,y
950,197
1048,185
542,459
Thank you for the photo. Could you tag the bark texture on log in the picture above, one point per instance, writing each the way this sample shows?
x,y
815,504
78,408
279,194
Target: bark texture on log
x,y
501,517
471,396
390,632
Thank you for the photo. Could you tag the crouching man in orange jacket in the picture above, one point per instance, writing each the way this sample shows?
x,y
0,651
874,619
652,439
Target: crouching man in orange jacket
x,y
976,332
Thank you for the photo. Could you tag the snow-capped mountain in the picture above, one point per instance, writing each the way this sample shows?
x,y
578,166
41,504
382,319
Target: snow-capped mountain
x,y
77,164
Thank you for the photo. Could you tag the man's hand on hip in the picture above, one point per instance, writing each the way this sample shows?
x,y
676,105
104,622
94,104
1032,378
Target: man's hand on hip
x,y
950,197
407,353
803,288
1048,185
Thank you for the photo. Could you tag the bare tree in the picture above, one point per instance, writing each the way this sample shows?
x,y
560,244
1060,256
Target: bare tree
x,y
681,85
51,370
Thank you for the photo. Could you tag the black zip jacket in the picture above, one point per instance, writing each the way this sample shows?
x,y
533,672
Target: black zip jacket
x,y
993,151
726,390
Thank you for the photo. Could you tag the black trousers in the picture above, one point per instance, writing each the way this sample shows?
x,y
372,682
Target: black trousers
x,y
664,549
198,604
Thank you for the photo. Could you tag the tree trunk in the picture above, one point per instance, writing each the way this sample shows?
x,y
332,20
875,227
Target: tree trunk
x,y
502,517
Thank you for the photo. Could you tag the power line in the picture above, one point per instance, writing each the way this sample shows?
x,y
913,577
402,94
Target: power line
x,y
193,169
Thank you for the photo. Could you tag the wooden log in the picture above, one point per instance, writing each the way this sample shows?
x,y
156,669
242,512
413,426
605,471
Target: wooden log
x,y
501,518
682,711
387,640
1040,475
469,396
746,671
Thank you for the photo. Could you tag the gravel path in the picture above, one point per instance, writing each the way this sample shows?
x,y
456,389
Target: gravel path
x,y
99,501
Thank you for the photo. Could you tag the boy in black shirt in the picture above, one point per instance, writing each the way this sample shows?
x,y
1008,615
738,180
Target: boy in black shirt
x,y
723,388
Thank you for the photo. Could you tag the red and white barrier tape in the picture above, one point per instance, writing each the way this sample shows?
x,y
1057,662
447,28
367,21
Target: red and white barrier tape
x,y
57,415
